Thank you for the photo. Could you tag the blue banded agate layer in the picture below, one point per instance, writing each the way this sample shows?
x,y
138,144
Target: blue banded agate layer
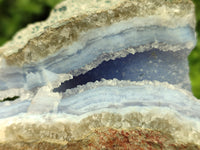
x,y
153,44
108,103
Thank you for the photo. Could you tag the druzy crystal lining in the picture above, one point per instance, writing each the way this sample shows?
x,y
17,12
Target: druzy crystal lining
x,y
163,66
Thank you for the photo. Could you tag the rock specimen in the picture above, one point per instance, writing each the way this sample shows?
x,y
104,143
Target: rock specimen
x,y
101,68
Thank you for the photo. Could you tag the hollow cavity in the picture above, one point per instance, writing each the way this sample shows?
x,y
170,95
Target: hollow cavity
x,y
151,65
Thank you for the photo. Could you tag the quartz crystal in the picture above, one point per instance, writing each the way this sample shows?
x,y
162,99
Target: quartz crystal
x,y
94,69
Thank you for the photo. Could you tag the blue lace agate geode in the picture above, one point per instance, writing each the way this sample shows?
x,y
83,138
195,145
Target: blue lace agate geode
x,y
123,61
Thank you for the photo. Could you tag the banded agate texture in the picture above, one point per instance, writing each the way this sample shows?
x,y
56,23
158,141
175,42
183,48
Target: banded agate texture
x,y
95,64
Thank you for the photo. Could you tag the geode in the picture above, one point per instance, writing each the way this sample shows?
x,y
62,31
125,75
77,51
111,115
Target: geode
x,y
115,68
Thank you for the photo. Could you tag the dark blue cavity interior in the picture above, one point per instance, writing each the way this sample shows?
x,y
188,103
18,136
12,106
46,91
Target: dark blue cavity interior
x,y
150,65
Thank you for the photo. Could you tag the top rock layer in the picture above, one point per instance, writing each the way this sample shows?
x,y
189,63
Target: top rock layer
x,y
70,18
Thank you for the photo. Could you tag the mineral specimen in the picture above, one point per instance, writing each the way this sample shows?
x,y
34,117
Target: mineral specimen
x,y
116,69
